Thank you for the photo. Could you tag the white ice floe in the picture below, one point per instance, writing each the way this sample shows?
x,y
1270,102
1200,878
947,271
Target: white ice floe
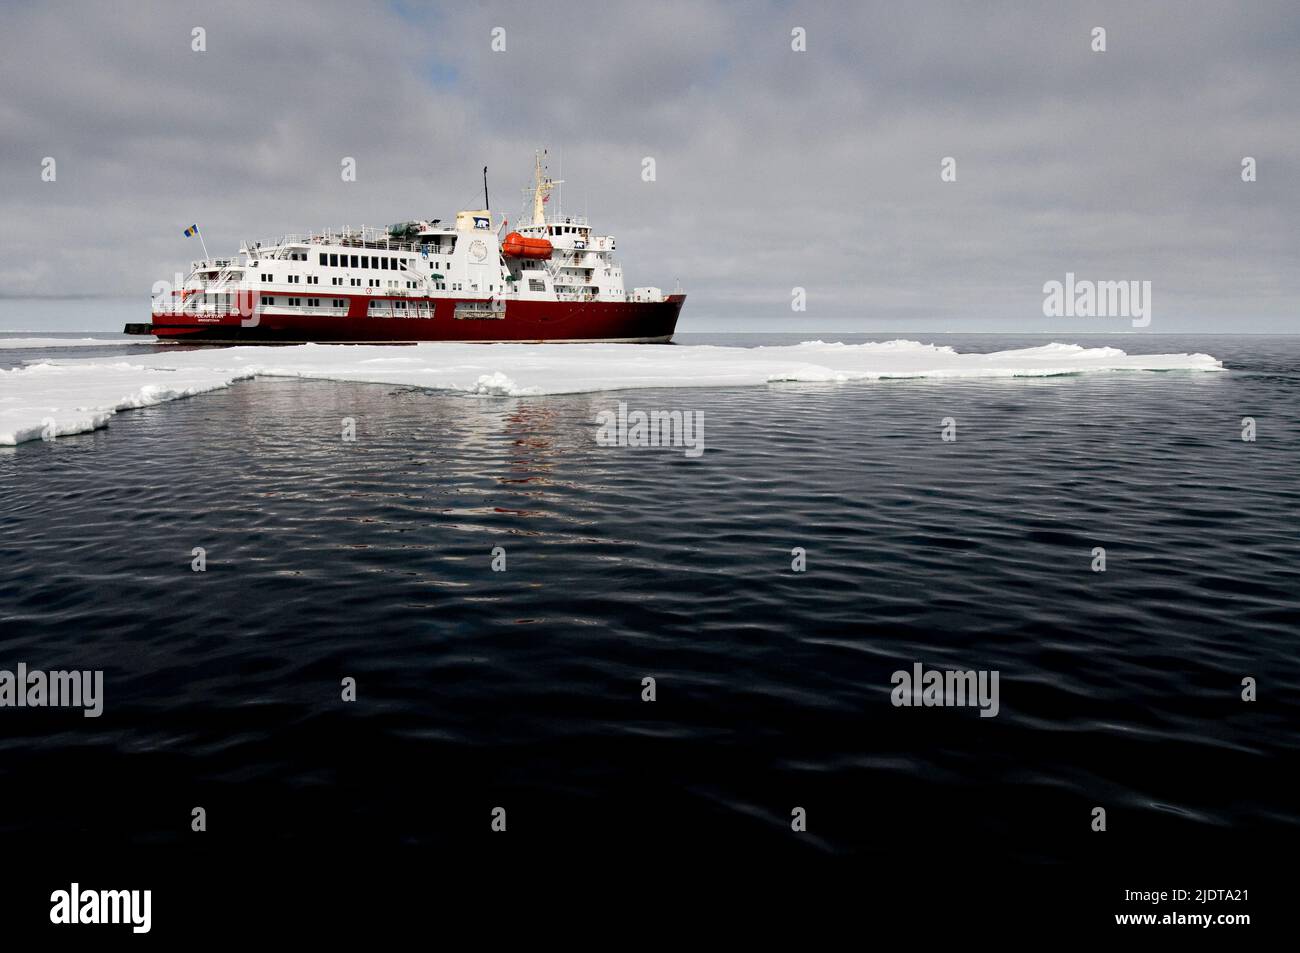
x,y
56,399
71,396
8,344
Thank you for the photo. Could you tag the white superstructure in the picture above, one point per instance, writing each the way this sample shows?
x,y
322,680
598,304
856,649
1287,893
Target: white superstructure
x,y
408,266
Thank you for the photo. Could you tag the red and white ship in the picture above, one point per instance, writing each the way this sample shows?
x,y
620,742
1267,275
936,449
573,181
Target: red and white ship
x,y
549,280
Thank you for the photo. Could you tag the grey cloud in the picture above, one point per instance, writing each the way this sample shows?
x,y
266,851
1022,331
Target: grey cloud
x,y
775,168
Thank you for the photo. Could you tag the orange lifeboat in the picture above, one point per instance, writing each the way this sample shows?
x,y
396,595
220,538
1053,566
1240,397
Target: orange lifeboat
x,y
516,246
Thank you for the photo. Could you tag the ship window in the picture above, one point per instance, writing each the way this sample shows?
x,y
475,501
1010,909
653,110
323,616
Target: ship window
x,y
383,264
314,302
334,260
338,302
323,259
354,261
267,300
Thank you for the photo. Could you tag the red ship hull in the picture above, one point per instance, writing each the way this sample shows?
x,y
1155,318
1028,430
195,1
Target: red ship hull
x,y
633,322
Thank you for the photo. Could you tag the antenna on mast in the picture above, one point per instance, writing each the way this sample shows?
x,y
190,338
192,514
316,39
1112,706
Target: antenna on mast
x,y
486,204
542,185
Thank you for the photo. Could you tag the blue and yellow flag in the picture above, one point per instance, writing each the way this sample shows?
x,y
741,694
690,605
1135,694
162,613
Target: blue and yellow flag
x,y
191,231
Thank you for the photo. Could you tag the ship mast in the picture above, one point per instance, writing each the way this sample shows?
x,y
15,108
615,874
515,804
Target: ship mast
x,y
541,189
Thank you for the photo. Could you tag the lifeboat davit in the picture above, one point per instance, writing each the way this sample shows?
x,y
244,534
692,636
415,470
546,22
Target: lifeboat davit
x,y
516,246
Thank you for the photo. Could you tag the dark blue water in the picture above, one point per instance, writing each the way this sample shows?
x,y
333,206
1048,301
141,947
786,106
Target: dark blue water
x,y
522,689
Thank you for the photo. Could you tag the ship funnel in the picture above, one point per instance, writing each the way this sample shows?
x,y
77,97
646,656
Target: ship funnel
x,y
479,218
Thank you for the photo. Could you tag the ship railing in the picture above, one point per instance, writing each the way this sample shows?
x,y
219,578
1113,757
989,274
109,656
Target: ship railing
x,y
367,236
225,310
298,309
188,308
605,296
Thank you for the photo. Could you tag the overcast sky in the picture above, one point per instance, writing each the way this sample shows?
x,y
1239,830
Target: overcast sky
x,y
775,169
